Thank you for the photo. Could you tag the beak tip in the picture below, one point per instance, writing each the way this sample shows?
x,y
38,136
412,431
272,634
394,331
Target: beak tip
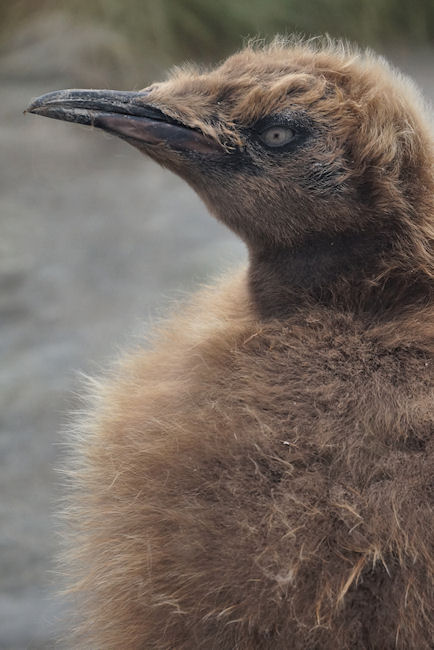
x,y
41,105
33,106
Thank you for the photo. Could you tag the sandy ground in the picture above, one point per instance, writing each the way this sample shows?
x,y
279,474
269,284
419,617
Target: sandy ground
x,y
95,242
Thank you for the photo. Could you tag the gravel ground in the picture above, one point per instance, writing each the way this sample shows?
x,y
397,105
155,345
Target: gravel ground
x,y
95,242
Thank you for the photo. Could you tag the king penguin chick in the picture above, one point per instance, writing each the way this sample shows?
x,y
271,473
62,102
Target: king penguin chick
x,y
260,477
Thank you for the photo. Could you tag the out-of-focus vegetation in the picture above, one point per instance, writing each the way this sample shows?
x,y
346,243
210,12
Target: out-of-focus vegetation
x,y
207,29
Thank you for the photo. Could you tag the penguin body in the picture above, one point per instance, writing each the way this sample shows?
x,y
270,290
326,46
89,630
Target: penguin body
x,y
251,485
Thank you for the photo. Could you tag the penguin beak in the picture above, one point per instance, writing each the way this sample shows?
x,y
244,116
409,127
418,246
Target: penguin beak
x,y
125,114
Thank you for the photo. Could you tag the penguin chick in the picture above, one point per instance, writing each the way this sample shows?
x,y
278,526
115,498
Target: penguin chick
x,y
260,476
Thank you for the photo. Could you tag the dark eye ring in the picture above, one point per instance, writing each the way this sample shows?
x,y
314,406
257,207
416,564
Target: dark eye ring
x,y
276,136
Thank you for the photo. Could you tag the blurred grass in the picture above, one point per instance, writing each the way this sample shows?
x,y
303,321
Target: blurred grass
x,y
170,30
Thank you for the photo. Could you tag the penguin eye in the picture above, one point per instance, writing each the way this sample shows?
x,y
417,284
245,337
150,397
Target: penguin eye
x,y
276,136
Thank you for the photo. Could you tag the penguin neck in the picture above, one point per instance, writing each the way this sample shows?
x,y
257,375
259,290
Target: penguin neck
x,y
321,269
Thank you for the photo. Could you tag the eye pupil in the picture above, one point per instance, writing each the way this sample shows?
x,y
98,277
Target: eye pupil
x,y
277,136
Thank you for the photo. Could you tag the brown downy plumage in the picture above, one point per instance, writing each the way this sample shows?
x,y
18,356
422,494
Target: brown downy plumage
x,y
261,476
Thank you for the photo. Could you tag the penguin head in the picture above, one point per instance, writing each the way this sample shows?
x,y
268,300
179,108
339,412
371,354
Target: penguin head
x,y
282,141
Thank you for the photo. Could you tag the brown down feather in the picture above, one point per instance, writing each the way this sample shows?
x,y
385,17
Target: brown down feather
x,y
248,481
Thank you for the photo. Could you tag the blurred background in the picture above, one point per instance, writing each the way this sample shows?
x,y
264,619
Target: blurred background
x,y
96,241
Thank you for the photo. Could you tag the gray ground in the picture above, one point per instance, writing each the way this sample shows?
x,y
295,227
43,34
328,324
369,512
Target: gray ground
x,y
95,240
